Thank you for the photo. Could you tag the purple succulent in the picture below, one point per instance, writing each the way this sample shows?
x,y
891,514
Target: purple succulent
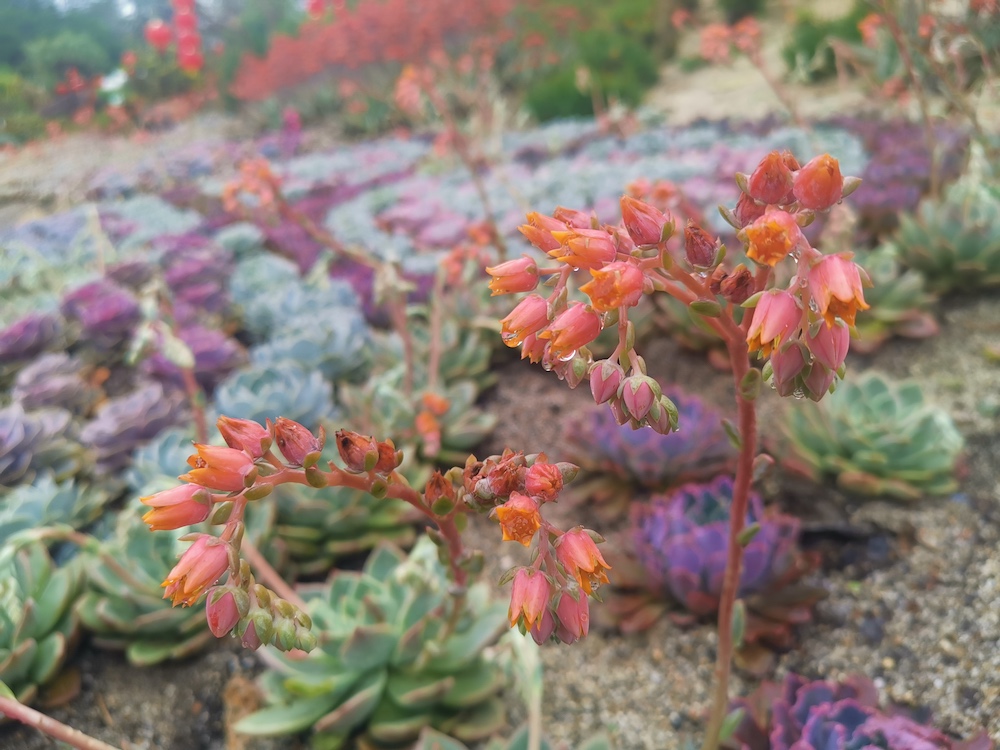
x,y
132,274
215,356
31,441
55,380
106,312
623,459
124,423
29,337
842,715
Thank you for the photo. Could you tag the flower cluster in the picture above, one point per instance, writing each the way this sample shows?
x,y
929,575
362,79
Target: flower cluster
x,y
257,180
549,597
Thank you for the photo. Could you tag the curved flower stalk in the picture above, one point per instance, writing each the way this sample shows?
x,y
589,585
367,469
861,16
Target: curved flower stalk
x,y
801,330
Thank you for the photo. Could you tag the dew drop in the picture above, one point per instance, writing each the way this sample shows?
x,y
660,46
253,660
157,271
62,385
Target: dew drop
x,y
799,394
568,357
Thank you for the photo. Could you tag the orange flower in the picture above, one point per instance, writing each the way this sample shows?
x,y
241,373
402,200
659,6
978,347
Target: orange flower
x,y
772,237
201,565
584,248
529,597
519,518
616,285
179,506
819,184
776,317
529,317
835,286
581,558
518,275
576,326
223,469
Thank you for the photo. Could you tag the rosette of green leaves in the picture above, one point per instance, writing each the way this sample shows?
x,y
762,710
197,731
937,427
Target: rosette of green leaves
x,y
434,740
38,625
392,659
900,303
876,437
285,389
46,502
954,242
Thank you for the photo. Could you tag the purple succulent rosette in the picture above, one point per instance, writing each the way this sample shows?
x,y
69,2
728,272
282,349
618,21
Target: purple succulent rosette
x,y
822,715
28,337
195,271
55,380
216,355
107,313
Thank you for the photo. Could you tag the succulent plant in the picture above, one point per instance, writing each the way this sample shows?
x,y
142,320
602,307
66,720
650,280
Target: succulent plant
x,y
318,527
216,355
106,313
389,663
955,242
39,627
29,337
242,239
333,340
156,465
55,380
123,423
433,740
46,502
679,541
284,389
32,441
618,460
899,303
824,715
876,437
195,272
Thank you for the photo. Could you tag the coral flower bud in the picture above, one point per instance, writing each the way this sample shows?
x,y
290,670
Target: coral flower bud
x,y
533,349
748,210
297,444
819,184
520,275
835,287
605,377
771,182
543,481
225,469
573,218
580,557
830,344
787,365
772,237
614,286
645,224
544,628
530,316
638,393
577,326
244,435
358,452
201,565
177,507
817,383
585,248
737,287
519,518
529,597
538,231
699,247
775,319
389,458
222,610
574,617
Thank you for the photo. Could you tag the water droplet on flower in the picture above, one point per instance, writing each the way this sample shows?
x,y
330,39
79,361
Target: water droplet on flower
x,y
568,357
798,393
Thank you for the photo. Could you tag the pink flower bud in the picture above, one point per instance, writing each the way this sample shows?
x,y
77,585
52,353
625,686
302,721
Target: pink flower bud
x,y
618,411
699,247
221,610
578,554
835,287
358,452
544,628
830,344
244,435
771,182
787,365
529,597
538,231
644,223
297,444
250,638
573,218
177,507
747,210
519,275
638,394
818,381
533,348
819,184
543,481
201,565
776,318
605,378
574,617
585,248
530,316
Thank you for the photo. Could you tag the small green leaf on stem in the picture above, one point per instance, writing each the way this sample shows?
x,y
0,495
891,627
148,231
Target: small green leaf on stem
x,y
750,384
731,432
752,301
258,491
850,185
442,506
730,724
379,489
629,336
761,465
316,478
730,217
739,623
746,536
707,307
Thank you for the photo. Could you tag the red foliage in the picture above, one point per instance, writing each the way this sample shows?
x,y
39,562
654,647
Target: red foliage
x,y
374,31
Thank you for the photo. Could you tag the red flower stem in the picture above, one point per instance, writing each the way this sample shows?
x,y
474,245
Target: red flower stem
x,y
397,313
435,323
196,398
747,426
28,716
269,576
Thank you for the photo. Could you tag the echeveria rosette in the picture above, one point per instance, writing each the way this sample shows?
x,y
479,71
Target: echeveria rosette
x,y
32,441
28,337
680,547
55,380
216,355
106,313
621,460
823,715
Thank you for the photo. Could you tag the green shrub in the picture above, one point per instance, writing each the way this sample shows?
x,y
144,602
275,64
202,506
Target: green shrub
x,y
50,58
808,54
18,127
19,102
619,65
556,95
157,76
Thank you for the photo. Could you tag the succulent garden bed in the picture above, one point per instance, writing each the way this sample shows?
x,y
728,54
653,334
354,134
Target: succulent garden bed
x,y
267,325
